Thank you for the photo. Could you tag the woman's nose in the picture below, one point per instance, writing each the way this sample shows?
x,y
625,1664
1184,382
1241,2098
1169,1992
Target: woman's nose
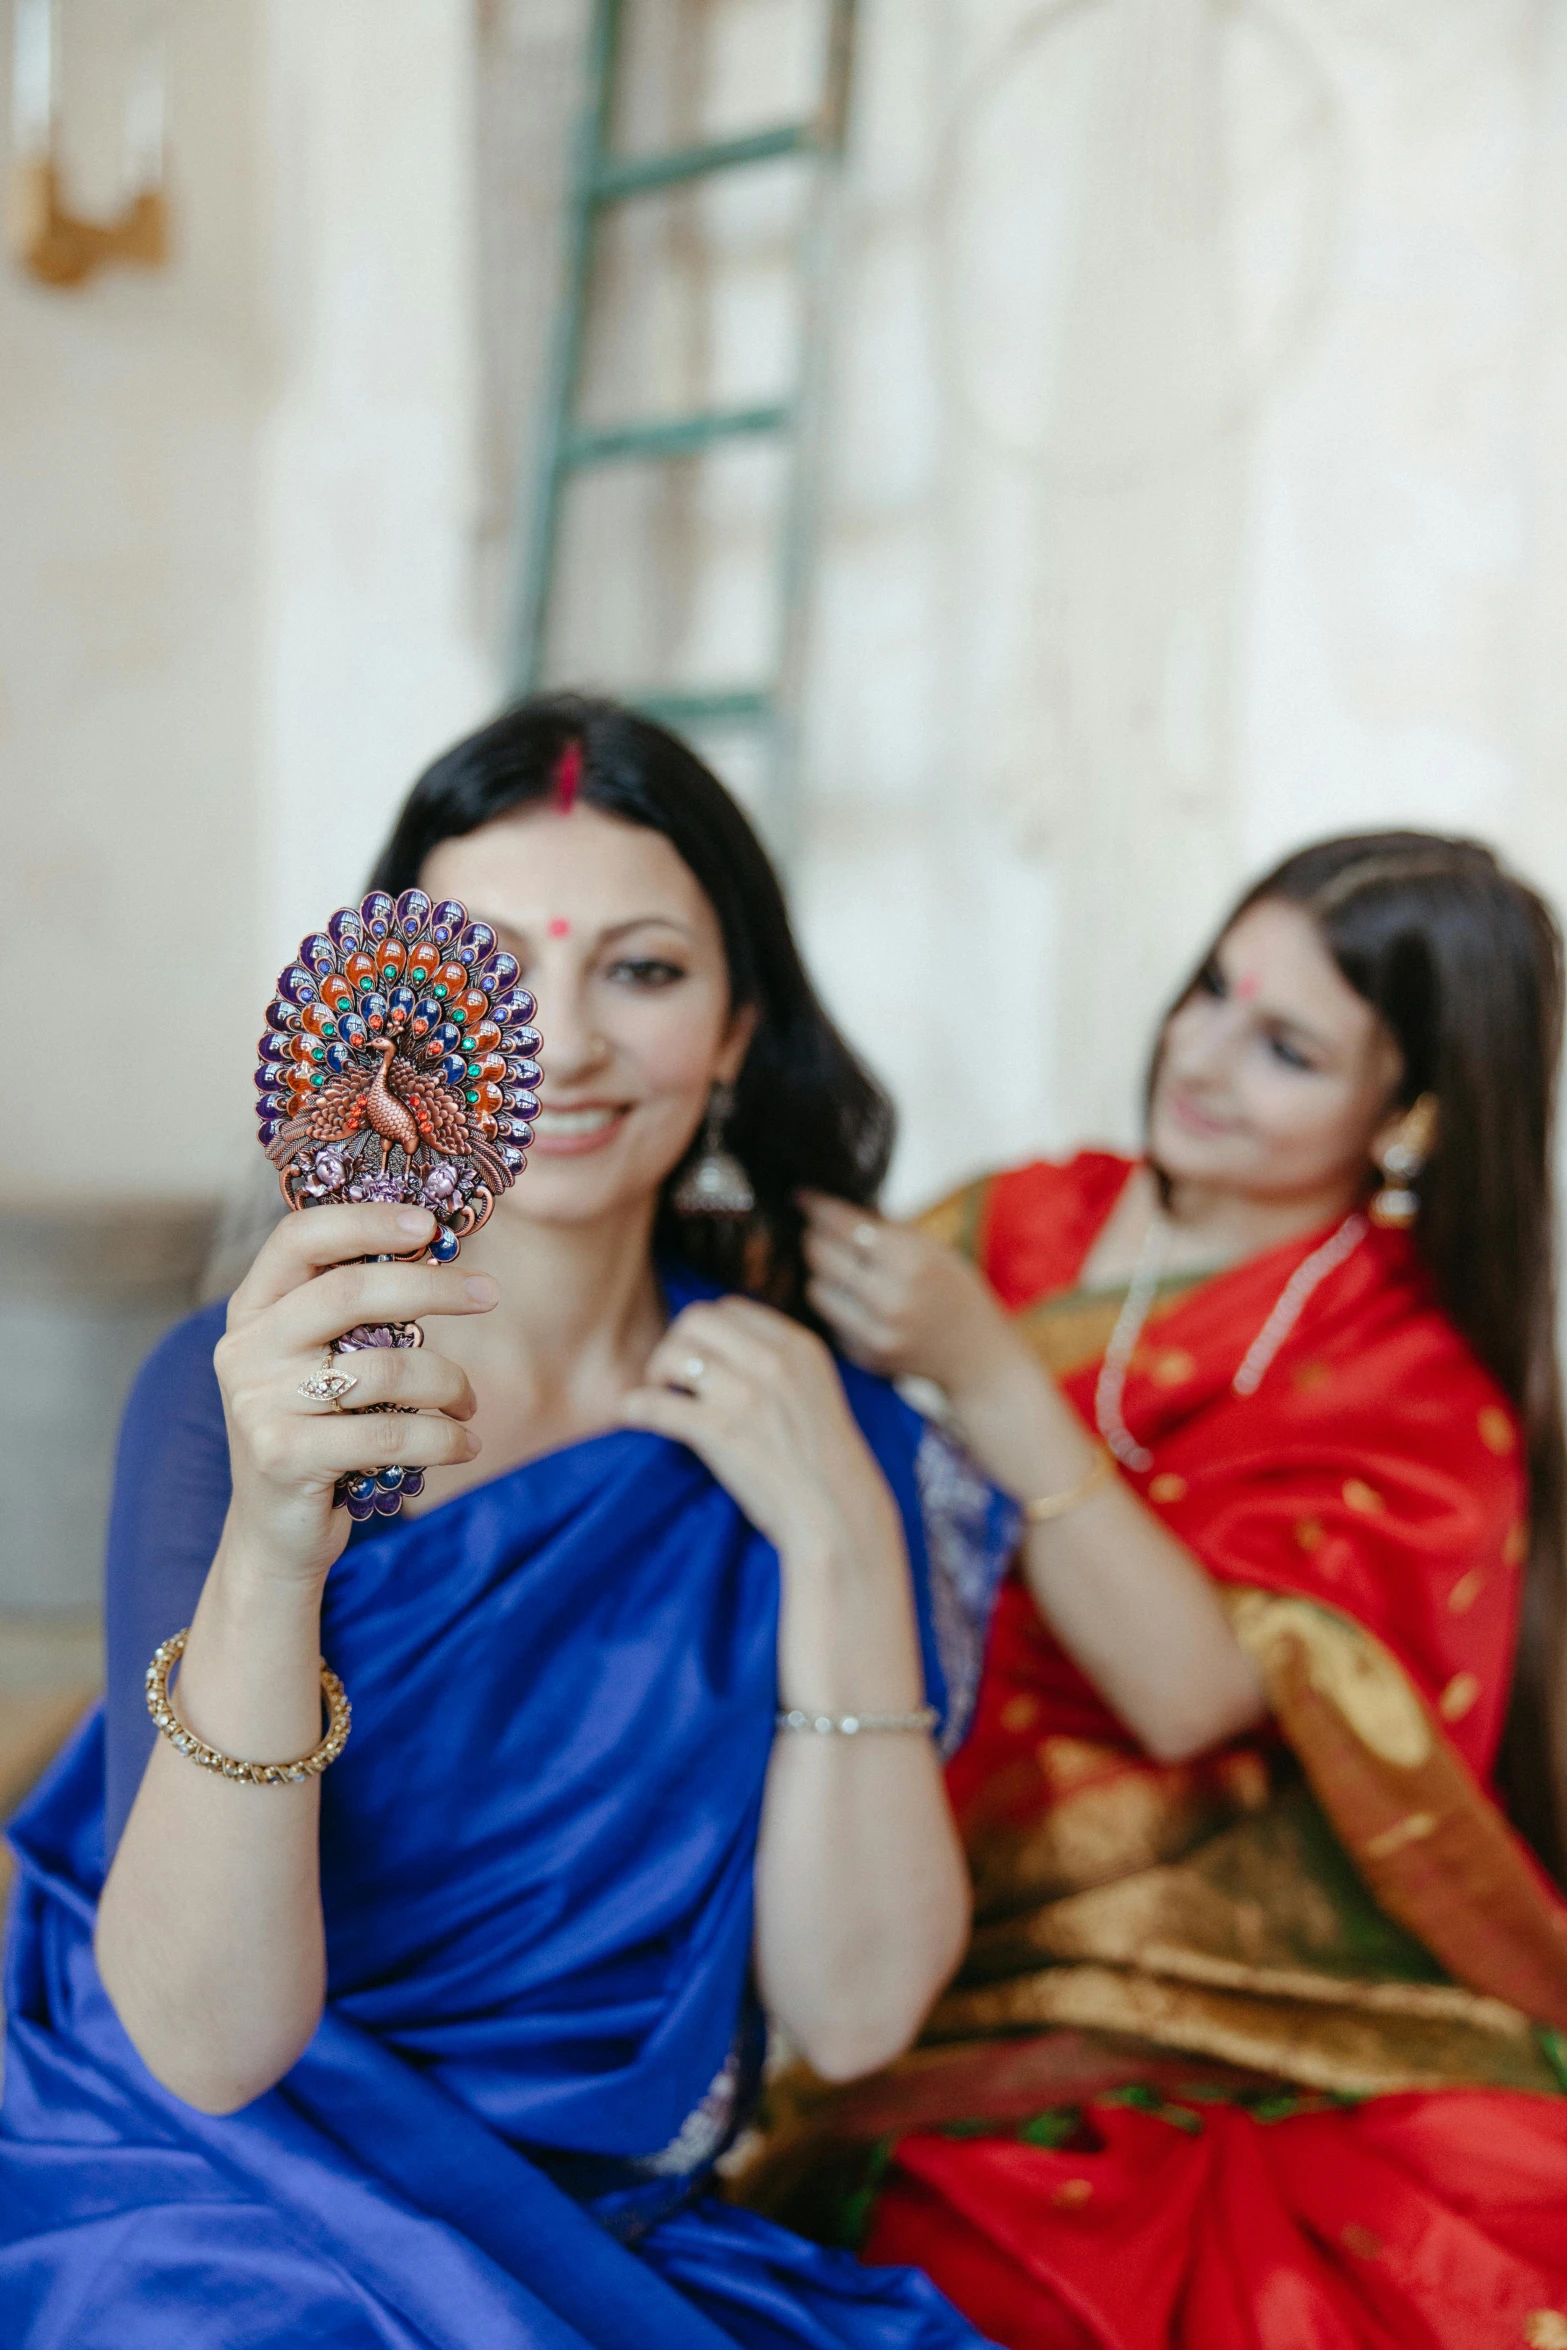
x,y
570,1047
1209,1043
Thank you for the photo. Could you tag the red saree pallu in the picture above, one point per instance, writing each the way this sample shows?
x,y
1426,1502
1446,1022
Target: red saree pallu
x,y
1266,2050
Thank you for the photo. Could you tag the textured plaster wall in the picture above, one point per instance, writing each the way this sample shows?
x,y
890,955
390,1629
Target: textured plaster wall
x,y
128,618
237,604
1062,699
257,510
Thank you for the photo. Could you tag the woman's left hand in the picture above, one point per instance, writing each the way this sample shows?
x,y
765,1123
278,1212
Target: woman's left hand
x,y
760,1401
861,1892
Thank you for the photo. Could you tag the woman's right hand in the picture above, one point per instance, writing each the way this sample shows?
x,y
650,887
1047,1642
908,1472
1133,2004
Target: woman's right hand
x,y
903,1304
286,1452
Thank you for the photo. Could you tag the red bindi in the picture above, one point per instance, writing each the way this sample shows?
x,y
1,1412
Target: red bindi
x,y
568,776
559,927
1248,986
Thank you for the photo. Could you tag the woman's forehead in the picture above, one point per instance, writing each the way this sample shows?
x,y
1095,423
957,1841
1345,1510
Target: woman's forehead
x,y
539,868
1274,956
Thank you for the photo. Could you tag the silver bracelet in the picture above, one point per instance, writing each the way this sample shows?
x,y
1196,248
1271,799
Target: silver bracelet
x,y
924,1717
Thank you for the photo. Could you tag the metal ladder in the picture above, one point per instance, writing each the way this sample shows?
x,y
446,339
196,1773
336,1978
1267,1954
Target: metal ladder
x,y
599,180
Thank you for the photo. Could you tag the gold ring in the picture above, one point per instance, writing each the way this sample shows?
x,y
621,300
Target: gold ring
x,y
326,1385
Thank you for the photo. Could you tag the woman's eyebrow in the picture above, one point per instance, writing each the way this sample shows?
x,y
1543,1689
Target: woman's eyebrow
x,y
1311,1036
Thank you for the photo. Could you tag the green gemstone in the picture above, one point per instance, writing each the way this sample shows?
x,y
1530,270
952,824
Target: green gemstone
x,y
329,1027
317,1077
440,987
459,1012
367,980
473,1068
473,1097
318,1052
418,974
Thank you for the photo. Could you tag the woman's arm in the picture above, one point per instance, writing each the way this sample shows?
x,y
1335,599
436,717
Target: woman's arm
x,y
209,1936
861,1891
1128,1601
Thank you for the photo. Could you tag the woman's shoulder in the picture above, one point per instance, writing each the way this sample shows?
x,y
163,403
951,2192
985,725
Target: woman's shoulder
x,y
1029,1227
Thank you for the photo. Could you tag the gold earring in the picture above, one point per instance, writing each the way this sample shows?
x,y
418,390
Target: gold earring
x,y
1400,1160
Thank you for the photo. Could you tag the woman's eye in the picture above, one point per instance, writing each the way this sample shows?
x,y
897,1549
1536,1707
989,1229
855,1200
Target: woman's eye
x,y
1210,981
1289,1054
645,971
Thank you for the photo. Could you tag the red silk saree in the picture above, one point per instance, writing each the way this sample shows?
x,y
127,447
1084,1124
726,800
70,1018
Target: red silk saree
x,y
1266,2051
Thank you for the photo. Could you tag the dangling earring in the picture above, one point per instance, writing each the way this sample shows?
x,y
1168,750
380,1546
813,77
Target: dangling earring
x,y
715,1184
1400,1159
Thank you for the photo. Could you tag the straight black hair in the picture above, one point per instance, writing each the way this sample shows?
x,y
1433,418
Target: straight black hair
x,y
1463,963
807,1112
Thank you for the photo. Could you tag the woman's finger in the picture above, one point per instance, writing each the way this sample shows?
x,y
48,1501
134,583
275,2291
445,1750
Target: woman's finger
x,y
827,1254
302,1246
418,1378
713,1333
663,1412
841,1219
347,1295
857,1326
335,1444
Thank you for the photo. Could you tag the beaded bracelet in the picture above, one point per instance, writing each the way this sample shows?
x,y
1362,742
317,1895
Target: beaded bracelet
x,y
309,1766
924,1717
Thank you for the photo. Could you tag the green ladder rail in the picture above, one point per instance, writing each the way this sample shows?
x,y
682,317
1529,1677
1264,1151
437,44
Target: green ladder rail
x,y
600,179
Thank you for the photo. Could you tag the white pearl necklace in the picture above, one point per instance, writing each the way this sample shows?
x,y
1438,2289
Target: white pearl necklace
x,y
1110,1392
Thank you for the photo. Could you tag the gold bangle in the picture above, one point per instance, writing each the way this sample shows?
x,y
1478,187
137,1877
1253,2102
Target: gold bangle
x,y
309,1766
1056,1505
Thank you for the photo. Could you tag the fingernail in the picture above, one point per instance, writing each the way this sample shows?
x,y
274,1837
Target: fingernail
x,y
415,1219
482,1289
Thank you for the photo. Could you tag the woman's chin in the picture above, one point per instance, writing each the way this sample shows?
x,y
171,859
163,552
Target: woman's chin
x,y
581,1186
1183,1157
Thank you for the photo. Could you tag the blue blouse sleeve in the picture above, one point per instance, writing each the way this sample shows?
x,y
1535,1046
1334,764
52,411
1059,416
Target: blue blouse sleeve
x,y
171,1494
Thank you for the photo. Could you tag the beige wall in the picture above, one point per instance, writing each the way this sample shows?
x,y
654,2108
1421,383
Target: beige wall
x,y
1195,485
246,532
235,600
128,611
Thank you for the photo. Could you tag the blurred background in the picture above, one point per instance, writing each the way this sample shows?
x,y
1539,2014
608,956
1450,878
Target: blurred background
x,y
1056,457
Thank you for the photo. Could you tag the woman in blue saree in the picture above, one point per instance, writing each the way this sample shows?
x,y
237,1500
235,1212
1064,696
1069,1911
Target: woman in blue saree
x,y
437,2051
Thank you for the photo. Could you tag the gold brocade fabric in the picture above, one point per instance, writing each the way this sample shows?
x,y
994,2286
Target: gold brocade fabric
x,y
1271,1921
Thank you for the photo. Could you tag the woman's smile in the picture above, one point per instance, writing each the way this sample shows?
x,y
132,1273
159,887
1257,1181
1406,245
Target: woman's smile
x,y
587,1126
1187,1111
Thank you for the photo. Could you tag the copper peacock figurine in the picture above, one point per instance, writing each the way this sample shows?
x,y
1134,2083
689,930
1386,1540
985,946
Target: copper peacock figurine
x,y
398,1065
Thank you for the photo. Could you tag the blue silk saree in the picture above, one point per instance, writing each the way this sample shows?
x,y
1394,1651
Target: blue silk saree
x,y
537,1858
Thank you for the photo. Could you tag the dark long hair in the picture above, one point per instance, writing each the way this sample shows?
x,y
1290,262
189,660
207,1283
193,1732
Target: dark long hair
x,y
807,1112
1463,961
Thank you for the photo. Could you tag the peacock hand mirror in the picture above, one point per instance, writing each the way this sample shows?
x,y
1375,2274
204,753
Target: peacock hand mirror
x,y
398,1064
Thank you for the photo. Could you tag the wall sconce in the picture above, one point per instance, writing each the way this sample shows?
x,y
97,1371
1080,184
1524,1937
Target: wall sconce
x,y
48,240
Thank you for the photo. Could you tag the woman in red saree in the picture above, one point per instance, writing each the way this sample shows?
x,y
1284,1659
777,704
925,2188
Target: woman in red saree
x,y
1261,2042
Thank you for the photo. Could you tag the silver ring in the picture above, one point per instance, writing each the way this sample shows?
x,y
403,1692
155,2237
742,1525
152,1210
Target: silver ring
x,y
863,1238
692,1371
328,1385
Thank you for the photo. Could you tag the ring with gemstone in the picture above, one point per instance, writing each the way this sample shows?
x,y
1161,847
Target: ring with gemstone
x,y
327,1385
864,1238
691,1372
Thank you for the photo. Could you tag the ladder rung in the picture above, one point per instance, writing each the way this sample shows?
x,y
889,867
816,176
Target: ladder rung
x,y
734,706
676,436
620,176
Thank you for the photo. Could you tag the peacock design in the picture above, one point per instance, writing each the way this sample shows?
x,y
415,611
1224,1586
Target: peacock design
x,y
398,1064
